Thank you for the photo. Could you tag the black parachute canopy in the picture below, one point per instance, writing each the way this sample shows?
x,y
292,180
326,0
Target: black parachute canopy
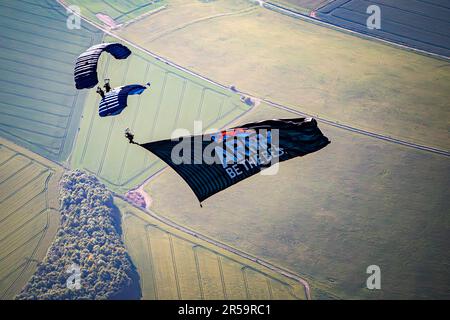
x,y
115,100
210,163
85,72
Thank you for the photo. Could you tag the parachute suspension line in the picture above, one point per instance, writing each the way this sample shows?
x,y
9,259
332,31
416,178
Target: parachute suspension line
x,y
111,68
106,66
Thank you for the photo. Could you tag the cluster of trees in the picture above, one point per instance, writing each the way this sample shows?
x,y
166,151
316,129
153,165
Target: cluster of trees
x,y
90,238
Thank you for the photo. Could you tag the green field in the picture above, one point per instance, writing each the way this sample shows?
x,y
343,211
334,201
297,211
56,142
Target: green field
x,y
40,107
175,265
329,215
29,214
120,11
321,71
175,100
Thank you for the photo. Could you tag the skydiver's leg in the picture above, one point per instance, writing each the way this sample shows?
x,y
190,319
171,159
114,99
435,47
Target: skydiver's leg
x,y
100,92
107,86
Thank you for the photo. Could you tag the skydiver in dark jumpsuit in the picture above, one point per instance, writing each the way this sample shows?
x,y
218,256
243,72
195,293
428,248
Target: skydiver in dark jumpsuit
x,y
129,136
107,86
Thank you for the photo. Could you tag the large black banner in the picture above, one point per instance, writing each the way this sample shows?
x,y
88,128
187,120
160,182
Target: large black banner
x,y
210,163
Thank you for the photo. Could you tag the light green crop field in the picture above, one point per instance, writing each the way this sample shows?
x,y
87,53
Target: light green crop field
x,y
175,265
29,214
329,215
40,107
314,69
119,10
175,100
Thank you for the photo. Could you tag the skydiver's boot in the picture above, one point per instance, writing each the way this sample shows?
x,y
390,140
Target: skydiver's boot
x,y
100,92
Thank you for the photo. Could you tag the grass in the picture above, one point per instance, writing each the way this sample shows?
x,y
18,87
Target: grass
x,y
314,69
175,100
28,214
120,11
40,107
175,265
329,215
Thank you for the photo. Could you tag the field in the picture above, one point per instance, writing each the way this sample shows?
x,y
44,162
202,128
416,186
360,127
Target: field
x,y
314,69
174,101
329,215
29,214
174,265
419,24
120,11
40,107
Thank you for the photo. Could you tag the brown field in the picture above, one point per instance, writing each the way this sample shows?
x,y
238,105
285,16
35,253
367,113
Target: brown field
x,y
314,69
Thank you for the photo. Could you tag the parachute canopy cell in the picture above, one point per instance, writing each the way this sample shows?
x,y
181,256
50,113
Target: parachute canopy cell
x,y
116,100
85,72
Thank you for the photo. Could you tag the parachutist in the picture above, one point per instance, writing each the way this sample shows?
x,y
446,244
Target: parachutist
x,y
100,92
107,86
129,136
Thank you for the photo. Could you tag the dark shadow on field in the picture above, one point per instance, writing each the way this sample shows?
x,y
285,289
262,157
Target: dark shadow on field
x,y
133,291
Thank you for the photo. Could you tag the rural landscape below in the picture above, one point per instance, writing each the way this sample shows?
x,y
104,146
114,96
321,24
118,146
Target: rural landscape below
x,y
94,206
